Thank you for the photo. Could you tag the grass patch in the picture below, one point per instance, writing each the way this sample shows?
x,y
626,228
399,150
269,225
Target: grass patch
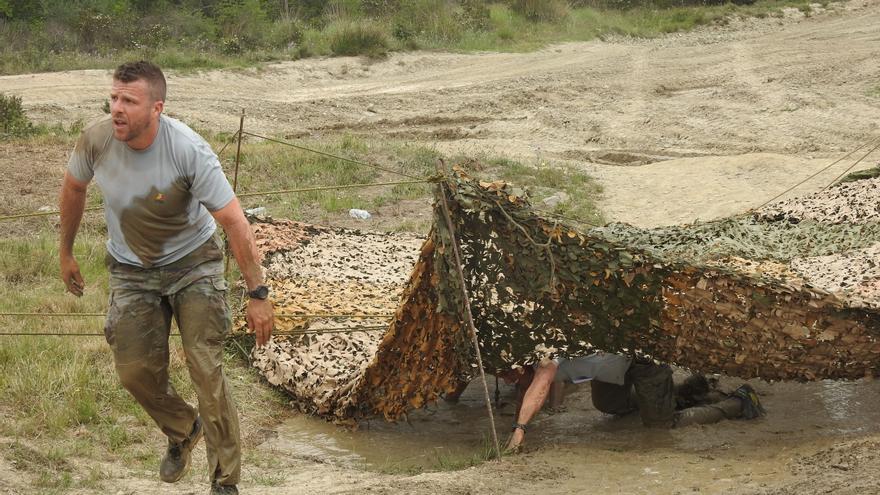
x,y
874,92
245,34
358,38
442,460
50,472
268,166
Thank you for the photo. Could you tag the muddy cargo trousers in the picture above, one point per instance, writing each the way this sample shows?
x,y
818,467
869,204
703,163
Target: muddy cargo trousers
x,y
192,290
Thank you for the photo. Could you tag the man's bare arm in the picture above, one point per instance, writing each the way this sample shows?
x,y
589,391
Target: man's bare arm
x,y
533,399
259,313
72,204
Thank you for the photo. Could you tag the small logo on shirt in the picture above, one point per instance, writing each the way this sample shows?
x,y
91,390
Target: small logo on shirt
x,y
160,197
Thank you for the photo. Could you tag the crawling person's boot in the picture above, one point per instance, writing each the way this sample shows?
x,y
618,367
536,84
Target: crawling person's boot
x,y
751,405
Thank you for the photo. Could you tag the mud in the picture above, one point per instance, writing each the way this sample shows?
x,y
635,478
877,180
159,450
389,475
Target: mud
x,y
813,433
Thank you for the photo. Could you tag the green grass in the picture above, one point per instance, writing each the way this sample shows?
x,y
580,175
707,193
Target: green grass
x,y
61,396
874,92
268,166
358,38
418,24
442,460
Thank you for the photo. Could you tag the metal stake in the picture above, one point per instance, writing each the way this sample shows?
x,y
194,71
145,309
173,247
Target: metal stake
x,y
234,185
467,307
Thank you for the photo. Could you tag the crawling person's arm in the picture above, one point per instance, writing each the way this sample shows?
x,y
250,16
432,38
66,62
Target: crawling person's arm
x,y
532,401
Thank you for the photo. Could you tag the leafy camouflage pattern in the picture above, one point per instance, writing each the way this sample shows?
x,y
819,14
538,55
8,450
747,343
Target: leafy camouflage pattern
x,y
786,293
315,270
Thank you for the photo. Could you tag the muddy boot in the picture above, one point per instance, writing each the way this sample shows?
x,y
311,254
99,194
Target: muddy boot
x,y
751,405
178,455
218,489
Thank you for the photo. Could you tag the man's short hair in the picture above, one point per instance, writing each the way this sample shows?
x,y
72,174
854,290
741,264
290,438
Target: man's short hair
x,y
147,71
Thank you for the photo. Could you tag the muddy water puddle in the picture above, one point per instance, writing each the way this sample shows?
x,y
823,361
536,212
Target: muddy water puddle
x,y
443,436
802,417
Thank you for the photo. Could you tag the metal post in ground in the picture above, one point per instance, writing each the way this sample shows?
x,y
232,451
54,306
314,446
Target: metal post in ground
x,y
467,307
234,184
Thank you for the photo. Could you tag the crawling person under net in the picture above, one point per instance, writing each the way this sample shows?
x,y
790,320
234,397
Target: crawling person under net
x,y
621,385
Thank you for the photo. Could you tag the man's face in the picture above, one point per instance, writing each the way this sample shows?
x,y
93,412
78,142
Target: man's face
x,y
134,112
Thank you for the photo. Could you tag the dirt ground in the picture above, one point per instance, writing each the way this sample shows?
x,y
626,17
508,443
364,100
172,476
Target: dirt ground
x,y
689,126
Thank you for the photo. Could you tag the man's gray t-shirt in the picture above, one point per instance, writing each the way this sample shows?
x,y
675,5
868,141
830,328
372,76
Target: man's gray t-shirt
x,y
601,366
157,200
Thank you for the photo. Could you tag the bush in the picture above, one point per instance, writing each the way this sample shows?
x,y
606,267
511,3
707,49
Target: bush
x,y
286,33
474,15
242,25
358,38
542,10
430,21
380,8
13,121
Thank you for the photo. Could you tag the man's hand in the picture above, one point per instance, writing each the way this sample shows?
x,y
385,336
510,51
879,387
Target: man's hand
x,y
71,203
516,439
241,240
260,319
71,276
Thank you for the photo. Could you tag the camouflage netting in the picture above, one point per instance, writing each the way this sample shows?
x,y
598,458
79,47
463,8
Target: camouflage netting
x,y
316,270
789,292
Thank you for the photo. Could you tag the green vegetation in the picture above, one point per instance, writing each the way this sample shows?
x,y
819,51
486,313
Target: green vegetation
x,y
269,166
442,460
188,34
13,121
358,38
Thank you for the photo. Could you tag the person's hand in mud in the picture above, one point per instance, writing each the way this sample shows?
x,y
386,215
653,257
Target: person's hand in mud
x,y
71,276
533,384
514,443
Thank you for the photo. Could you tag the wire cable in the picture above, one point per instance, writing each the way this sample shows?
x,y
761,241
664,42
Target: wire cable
x,y
835,162
331,155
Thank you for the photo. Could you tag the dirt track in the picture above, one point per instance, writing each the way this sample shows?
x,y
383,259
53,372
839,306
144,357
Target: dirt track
x,y
717,121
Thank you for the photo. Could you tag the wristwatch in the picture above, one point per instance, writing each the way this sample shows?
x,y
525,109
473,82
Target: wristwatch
x,y
259,292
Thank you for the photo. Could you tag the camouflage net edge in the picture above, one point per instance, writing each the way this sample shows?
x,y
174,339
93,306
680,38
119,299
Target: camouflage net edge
x,y
543,289
423,354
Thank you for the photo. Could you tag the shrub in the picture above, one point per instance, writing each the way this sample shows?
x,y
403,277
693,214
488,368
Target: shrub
x,y
285,33
380,8
542,10
242,24
13,121
432,21
358,38
474,14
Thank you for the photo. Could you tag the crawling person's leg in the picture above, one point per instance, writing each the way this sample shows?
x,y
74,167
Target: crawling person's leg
x,y
742,403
